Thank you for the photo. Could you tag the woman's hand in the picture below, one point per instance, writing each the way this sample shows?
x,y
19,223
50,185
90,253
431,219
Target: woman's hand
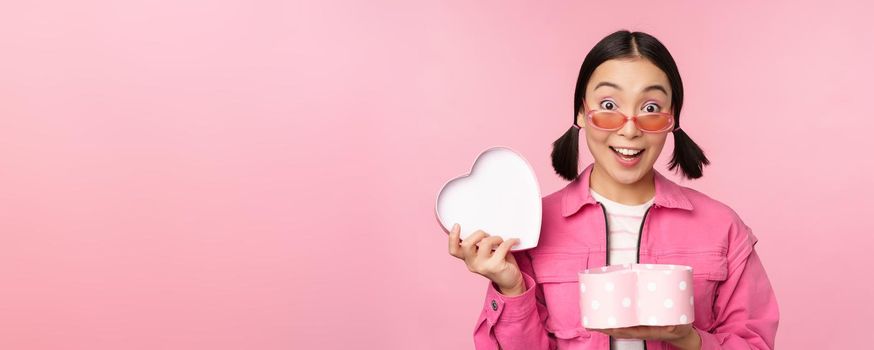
x,y
499,267
681,336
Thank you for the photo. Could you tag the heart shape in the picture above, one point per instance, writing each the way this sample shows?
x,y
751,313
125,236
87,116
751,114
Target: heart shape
x,y
500,196
629,295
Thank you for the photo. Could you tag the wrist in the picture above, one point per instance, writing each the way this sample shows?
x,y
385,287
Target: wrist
x,y
692,341
514,290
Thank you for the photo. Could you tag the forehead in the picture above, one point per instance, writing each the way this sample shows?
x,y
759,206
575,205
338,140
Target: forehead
x,y
632,75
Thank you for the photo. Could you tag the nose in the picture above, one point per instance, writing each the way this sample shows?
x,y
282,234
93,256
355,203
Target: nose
x,y
629,129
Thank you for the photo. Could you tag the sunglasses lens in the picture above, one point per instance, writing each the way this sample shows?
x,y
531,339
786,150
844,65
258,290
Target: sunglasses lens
x,y
608,120
653,122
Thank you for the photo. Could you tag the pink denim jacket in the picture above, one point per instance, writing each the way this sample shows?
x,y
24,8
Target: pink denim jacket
x,y
735,306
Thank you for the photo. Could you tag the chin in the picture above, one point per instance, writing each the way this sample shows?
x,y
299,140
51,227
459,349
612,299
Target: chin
x,y
625,175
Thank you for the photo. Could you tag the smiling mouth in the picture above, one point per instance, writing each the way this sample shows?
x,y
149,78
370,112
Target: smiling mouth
x,y
627,153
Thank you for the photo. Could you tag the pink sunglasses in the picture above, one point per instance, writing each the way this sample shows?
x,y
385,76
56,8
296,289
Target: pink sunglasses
x,y
610,120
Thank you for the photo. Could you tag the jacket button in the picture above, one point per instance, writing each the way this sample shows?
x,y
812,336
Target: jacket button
x,y
494,305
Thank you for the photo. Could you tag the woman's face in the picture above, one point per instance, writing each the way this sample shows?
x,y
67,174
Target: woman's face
x,y
631,86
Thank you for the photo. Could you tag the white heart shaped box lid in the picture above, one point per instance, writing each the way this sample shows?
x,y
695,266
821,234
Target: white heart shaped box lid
x,y
500,196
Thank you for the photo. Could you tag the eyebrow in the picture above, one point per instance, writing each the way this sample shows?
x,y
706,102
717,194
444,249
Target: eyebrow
x,y
648,88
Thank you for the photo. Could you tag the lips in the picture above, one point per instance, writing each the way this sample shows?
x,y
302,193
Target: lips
x,y
627,153
631,159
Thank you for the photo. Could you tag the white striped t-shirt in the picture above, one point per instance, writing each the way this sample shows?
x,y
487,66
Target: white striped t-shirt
x,y
623,225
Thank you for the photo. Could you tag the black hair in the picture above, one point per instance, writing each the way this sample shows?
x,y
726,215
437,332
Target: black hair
x,y
625,44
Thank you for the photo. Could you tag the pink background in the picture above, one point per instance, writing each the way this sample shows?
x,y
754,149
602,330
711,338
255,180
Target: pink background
x,y
261,175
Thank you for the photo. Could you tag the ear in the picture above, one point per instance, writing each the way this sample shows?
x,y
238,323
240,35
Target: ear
x,y
581,120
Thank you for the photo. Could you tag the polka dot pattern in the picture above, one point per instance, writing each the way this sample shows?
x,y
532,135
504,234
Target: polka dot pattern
x,y
607,294
668,303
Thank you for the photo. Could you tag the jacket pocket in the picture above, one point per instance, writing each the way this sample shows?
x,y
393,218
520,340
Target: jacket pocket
x,y
709,269
557,274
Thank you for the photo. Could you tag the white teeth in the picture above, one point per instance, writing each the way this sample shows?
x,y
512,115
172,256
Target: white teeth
x,y
628,152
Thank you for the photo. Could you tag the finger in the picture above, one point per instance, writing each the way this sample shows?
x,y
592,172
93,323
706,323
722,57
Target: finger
x,y
455,241
681,329
623,333
468,245
501,251
632,332
484,250
605,331
661,332
639,332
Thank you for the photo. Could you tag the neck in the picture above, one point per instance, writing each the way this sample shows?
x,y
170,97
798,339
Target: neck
x,y
629,194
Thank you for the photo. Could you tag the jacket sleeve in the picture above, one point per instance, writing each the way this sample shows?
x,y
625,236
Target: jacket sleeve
x,y
514,322
745,307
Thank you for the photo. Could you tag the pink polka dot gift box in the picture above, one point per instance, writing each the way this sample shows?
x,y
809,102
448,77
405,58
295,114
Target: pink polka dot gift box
x,y
628,295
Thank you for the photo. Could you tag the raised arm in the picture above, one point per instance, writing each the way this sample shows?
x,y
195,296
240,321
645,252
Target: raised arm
x,y
514,322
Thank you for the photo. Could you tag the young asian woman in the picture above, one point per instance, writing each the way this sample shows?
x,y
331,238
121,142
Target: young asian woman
x,y
619,210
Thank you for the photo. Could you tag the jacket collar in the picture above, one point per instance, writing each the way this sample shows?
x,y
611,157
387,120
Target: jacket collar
x,y
576,194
